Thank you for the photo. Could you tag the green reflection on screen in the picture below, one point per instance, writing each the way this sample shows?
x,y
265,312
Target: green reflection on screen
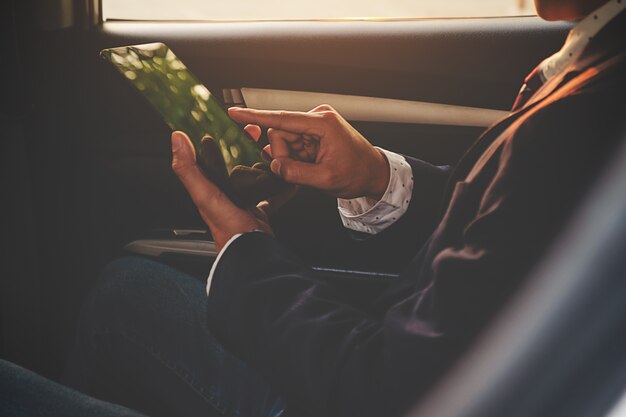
x,y
182,100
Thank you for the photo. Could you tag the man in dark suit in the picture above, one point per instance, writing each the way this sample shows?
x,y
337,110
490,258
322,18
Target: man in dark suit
x,y
504,203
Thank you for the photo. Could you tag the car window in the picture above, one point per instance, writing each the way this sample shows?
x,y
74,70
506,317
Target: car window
x,y
310,10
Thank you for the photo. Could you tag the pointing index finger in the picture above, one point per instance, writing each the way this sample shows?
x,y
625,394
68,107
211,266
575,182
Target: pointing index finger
x,y
295,122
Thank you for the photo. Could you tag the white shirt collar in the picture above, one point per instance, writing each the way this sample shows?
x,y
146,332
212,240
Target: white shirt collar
x,y
579,37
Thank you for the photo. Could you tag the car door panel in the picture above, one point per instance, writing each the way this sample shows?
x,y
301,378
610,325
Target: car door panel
x,y
454,62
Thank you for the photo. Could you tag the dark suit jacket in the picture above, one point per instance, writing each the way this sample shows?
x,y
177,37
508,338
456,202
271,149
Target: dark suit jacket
x,y
504,204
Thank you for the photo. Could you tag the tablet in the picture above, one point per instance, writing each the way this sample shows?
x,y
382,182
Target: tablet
x,y
183,101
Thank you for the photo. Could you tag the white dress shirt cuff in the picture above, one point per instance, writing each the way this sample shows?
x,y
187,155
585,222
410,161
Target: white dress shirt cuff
x,y
217,260
370,216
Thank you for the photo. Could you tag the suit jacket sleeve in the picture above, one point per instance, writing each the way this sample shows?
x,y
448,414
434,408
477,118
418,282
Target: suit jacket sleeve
x,y
399,242
321,354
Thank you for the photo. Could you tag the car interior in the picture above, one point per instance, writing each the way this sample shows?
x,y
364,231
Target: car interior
x,y
87,178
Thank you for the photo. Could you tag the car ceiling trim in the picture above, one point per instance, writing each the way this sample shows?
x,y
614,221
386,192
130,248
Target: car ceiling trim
x,y
373,109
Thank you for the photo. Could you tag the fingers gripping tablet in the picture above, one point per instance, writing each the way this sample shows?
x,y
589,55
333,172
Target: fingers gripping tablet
x,y
224,150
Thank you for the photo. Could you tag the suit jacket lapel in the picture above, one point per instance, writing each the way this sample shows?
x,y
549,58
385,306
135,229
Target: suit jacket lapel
x,y
469,159
607,44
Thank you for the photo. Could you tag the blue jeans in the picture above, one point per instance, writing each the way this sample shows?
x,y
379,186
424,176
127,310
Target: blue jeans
x,y
143,342
24,393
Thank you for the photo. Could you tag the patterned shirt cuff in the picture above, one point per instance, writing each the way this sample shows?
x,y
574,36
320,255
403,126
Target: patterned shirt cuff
x,y
370,216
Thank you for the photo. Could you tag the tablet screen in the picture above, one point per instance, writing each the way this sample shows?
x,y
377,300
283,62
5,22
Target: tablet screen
x,y
184,102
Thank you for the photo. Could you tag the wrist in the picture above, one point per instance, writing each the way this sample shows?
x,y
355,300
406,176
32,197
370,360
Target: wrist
x,y
221,235
379,180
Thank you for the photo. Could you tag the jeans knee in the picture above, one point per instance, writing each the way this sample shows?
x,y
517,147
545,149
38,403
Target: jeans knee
x,y
7,368
128,268
129,275
117,291
133,292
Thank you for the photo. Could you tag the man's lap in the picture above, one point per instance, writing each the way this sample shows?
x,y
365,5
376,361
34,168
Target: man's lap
x,y
143,342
